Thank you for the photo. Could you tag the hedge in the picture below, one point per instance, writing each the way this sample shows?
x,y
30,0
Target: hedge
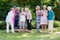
x,y
5,5
57,13
33,24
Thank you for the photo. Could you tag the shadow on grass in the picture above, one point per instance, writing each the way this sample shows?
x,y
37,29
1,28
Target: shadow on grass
x,y
28,36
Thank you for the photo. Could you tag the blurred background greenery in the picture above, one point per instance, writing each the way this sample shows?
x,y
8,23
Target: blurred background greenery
x,y
5,6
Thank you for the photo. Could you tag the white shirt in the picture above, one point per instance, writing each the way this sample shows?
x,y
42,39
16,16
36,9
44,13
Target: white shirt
x,y
10,16
22,16
29,16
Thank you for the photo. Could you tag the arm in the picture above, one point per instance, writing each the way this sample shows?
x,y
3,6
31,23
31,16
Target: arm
x,y
19,15
47,13
36,13
53,14
30,15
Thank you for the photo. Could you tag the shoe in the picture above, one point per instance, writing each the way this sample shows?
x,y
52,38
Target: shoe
x,y
13,32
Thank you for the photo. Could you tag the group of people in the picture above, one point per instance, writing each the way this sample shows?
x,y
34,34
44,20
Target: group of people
x,y
16,16
23,18
45,17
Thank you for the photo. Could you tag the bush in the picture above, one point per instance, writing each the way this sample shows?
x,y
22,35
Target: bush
x,y
2,25
56,23
33,24
57,13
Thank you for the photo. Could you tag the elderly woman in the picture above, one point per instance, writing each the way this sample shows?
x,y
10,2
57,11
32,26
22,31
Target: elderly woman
x,y
44,20
10,20
28,18
16,18
51,16
38,16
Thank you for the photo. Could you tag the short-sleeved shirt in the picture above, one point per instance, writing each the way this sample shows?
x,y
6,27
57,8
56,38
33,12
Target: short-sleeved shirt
x,y
22,16
38,13
28,15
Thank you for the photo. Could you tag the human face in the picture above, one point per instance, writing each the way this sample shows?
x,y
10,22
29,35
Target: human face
x,y
38,8
12,9
44,7
26,9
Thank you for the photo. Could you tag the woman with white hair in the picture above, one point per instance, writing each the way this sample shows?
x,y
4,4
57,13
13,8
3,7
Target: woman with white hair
x,y
10,20
51,16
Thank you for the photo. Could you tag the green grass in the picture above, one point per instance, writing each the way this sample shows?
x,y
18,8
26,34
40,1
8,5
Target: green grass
x,y
28,36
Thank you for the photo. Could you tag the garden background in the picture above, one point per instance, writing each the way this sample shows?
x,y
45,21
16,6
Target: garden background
x,y
5,6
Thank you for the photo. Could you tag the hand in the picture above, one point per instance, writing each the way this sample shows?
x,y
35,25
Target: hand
x,y
42,14
54,17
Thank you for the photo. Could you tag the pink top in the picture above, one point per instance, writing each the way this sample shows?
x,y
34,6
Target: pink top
x,y
14,16
38,13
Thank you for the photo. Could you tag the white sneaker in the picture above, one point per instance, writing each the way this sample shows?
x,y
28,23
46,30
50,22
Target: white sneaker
x,y
13,32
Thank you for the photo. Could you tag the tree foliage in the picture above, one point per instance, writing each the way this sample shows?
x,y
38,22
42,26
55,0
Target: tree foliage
x,y
5,5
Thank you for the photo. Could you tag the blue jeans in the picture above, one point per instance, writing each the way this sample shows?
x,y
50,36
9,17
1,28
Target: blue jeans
x,y
38,23
38,27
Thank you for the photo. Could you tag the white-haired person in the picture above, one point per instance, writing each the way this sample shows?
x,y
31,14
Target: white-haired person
x,y
38,16
10,20
22,20
51,16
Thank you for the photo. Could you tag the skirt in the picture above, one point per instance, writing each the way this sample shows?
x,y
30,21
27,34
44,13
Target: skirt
x,y
43,20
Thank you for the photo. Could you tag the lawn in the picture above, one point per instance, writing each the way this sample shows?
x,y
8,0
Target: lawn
x,y
28,36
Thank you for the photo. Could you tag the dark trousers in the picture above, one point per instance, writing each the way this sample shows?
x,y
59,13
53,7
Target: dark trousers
x,y
29,25
16,23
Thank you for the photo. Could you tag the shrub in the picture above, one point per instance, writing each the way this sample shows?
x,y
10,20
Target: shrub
x,y
56,23
2,25
33,24
57,13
